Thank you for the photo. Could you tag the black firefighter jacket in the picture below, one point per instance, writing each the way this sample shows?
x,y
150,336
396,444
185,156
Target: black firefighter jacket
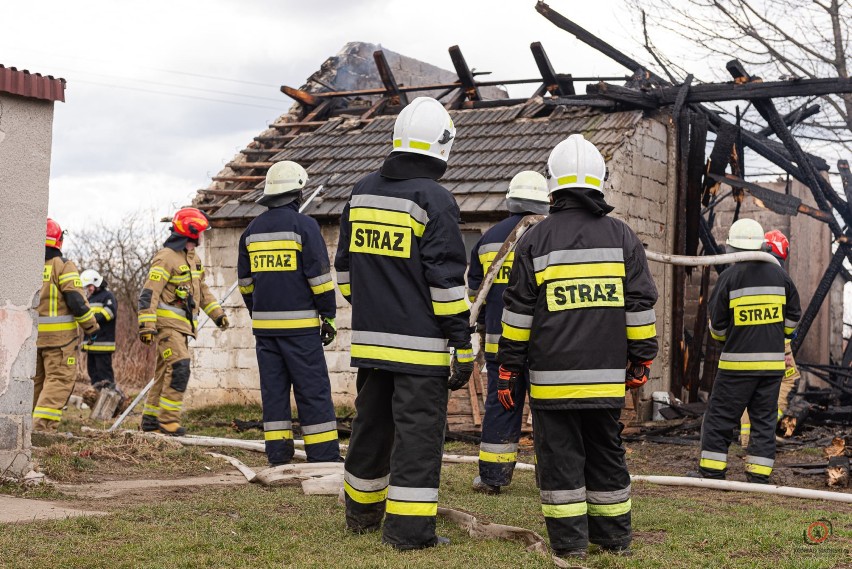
x,y
579,304
401,263
754,306
284,273
103,305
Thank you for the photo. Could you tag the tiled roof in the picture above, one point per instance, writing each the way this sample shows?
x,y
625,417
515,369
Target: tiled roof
x,y
491,146
31,85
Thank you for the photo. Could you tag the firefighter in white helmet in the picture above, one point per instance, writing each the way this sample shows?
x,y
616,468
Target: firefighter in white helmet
x,y
285,279
579,311
504,407
401,263
99,350
753,308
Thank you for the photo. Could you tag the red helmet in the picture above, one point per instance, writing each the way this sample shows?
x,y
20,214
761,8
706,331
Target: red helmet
x,y
54,235
778,244
190,222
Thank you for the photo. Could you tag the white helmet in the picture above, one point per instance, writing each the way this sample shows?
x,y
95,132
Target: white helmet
x,y
746,234
575,163
91,277
424,127
283,178
528,185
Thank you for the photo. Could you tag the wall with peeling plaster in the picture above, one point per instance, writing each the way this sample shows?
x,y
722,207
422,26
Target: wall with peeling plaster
x,y
26,127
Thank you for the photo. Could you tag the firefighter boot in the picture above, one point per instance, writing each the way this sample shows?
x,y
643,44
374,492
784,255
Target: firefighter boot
x,y
150,423
172,429
483,488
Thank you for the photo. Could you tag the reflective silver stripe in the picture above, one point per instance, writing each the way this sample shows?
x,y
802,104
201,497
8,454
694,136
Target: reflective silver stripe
x,y
498,448
790,323
717,332
489,248
343,277
275,236
55,319
245,282
577,376
641,318
364,485
492,338
412,494
322,279
517,320
755,290
111,344
720,456
171,308
277,425
285,315
320,428
399,341
753,357
95,304
564,257
613,497
472,291
446,294
759,460
563,496
394,204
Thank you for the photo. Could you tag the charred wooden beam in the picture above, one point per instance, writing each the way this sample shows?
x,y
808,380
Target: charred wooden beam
x,y
720,156
248,165
699,331
625,95
557,86
262,151
820,294
301,124
396,96
471,90
792,118
695,171
845,178
303,97
493,103
779,203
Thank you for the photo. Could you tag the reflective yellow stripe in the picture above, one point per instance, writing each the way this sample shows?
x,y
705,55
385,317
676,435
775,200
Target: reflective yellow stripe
x,y
400,355
780,415
247,289
491,348
580,270
449,308
642,332
53,304
517,334
345,289
211,307
87,316
758,299
152,410
68,277
572,179
610,510
753,366
398,218
170,405
274,245
282,435
324,287
718,337
60,327
577,391
416,144
788,331
463,355
497,457
162,313
88,348
281,324
759,469
320,437
365,497
147,318
564,510
178,280
745,428
47,413
712,464
411,508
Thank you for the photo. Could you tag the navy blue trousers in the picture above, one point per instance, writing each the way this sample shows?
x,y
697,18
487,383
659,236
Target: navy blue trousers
x,y
501,430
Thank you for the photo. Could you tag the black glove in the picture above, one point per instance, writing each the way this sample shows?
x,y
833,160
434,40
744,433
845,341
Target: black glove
x,y
462,367
328,331
223,323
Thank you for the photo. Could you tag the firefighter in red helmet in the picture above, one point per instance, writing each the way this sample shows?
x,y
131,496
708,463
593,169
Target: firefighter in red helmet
x,y
169,304
62,307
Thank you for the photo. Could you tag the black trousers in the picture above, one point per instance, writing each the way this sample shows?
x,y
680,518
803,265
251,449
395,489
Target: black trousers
x,y
297,361
501,430
585,486
393,466
733,394
99,366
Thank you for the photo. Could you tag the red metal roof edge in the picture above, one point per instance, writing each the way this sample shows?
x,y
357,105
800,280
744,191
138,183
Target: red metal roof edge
x,y
31,85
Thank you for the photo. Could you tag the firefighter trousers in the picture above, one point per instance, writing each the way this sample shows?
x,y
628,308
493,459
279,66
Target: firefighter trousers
x,y
730,397
584,483
393,467
99,366
501,430
171,376
56,371
789,387
297,362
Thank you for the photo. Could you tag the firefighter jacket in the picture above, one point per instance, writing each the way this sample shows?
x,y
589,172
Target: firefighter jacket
x,y
62,303
579,305
159,304
401,262
754,306
481,257
103,304
284,273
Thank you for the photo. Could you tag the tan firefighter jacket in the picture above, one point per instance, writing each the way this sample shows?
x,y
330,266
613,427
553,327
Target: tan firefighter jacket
x,y
62,304
159,305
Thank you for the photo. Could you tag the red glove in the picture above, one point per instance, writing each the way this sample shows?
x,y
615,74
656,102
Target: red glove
x,y
637,374
505,386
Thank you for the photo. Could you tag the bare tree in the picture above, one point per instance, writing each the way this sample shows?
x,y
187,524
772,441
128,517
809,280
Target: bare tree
x,y
775,39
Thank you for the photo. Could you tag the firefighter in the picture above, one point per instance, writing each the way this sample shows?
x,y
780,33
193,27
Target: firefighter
x,y
753,308
62,308
169,305
579,311
401,262
99,351
777,244
285,279
504,409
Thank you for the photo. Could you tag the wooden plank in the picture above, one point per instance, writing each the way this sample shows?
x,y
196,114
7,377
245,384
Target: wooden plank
x,y
239,178
300,96
214,192
845,178
820,294
556,86
632,97
698,332
793,117
248,165
386,75
468,83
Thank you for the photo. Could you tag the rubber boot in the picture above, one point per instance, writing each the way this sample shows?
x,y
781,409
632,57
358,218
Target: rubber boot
x,y
172,429
483,488
150,423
